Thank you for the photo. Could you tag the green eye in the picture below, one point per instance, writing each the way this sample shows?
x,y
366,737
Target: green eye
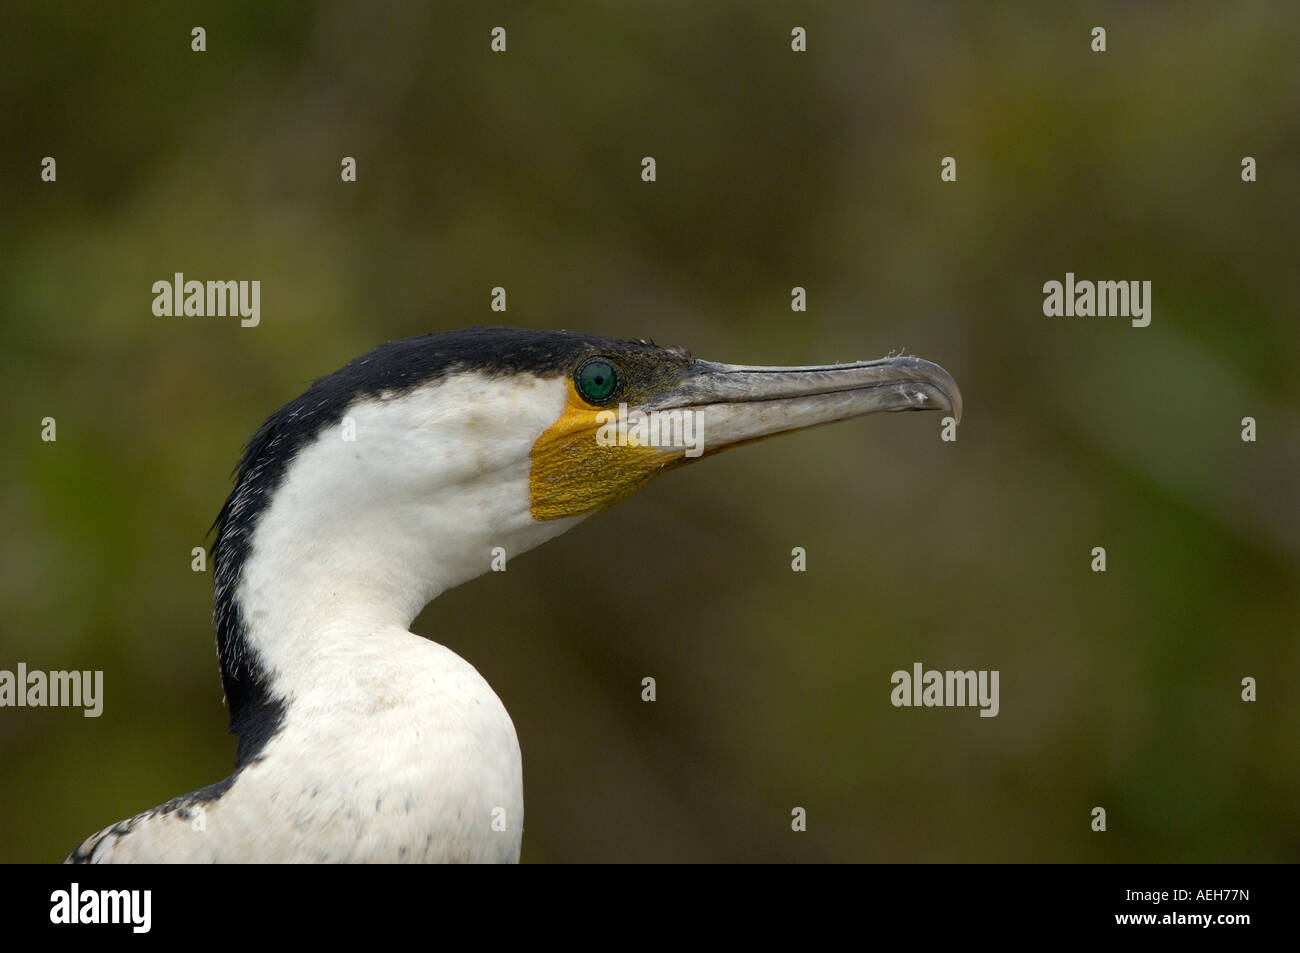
x,y
596,380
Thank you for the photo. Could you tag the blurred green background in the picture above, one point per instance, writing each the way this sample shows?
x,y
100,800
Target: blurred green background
x,y
775,169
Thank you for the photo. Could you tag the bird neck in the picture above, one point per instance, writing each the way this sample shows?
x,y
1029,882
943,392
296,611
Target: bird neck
x,y
314,596
323,565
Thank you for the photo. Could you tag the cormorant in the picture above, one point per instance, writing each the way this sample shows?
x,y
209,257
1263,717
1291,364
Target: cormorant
x,y
389,482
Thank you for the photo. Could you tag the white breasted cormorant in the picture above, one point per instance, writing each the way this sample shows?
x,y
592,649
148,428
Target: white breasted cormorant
x,y
385,484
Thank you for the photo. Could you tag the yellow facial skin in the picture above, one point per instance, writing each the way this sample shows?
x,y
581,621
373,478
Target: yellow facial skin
x,y
572,474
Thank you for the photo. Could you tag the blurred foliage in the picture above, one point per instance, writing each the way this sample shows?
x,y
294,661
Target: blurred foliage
x,y
775,169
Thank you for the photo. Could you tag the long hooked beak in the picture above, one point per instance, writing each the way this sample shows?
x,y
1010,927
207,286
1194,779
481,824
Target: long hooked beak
x,y
740,403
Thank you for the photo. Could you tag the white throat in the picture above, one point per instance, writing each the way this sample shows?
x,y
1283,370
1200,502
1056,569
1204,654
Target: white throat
x,y
399,501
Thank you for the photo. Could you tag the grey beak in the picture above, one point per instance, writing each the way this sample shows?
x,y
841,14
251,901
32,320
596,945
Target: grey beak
x,y
740,403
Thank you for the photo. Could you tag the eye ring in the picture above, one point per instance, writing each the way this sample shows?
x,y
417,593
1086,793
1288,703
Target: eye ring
x,y
597,380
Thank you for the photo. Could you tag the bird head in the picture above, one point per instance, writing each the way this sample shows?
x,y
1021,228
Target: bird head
x,y
401,474
632,410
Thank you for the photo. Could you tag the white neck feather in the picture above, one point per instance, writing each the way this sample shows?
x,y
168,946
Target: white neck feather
x,y
390,747
401,500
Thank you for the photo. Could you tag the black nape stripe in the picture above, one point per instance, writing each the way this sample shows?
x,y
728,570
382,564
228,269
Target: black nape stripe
x,y
395,367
